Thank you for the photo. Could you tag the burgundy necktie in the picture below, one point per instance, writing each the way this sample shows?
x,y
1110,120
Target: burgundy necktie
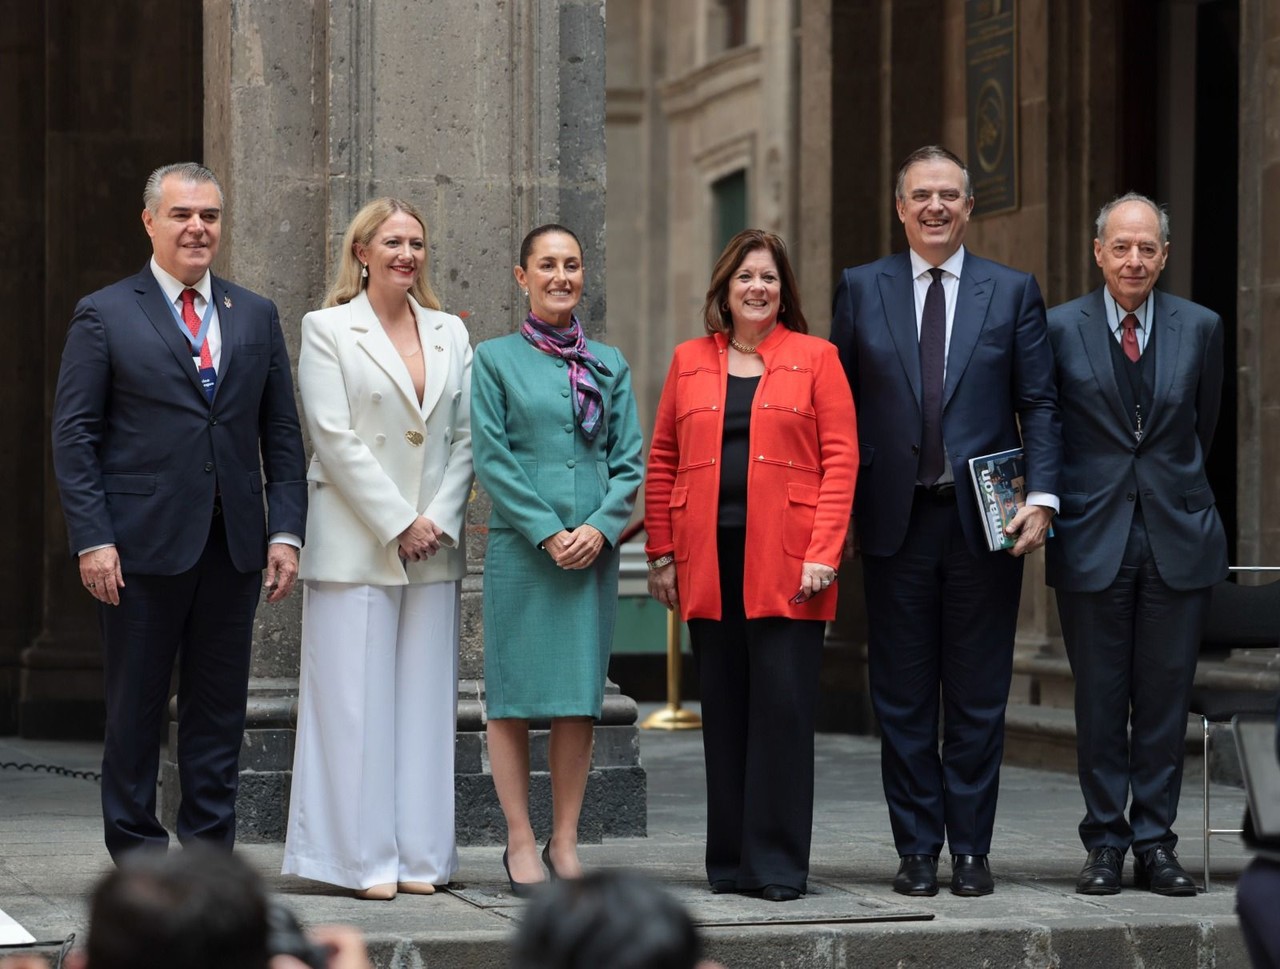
x,y
1129,337
208,378
933,356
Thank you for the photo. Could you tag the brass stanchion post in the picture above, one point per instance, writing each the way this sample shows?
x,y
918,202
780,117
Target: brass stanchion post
x,y
672,717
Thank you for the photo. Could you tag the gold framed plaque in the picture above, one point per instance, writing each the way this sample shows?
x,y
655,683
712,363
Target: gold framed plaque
x,y
991,101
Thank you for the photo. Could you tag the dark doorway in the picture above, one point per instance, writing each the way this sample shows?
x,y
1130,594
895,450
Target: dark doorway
x,y
96,96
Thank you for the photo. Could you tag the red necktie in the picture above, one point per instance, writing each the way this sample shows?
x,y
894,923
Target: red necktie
x,y
1129,337
193,324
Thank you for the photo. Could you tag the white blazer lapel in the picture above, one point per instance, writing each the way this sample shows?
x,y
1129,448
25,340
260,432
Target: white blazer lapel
x,y
435,356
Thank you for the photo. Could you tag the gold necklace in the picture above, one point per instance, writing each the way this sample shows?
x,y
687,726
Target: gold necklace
x,y
743,348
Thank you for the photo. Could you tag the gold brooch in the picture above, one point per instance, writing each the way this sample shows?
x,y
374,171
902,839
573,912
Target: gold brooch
x,y
414,437
226,301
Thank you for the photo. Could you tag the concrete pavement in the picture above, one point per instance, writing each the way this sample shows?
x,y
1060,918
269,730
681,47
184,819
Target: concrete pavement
x,y
51,853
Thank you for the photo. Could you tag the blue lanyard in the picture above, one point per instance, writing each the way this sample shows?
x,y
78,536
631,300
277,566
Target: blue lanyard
x,y
196,341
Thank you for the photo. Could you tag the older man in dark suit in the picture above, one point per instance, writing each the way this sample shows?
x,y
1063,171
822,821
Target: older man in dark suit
x,y
1139,540
173,418
948,359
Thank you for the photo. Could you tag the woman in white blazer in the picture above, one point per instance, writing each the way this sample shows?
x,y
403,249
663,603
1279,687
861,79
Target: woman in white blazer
x,y
385,380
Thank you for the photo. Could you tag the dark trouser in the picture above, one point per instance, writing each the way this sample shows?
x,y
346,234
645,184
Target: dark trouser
x,y
759,687
204,619
1133,649
940,618
1256,895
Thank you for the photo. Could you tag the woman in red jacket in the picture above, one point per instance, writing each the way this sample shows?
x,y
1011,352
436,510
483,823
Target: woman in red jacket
x,y
750,485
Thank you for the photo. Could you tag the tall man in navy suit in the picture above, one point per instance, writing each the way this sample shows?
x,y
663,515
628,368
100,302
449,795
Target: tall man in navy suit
x,y
1139,540
173,418
948,359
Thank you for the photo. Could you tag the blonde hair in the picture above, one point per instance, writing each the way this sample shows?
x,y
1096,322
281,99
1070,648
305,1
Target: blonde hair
x,y
347,284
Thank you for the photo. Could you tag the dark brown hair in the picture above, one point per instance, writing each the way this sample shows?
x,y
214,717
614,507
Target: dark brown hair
x,y
526,247
715,314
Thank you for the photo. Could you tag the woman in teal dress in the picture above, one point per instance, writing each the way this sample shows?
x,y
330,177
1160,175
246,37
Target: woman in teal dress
x,y
556,442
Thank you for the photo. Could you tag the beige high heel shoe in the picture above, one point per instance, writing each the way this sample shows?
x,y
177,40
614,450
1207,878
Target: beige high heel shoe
x,y
417,888
377,893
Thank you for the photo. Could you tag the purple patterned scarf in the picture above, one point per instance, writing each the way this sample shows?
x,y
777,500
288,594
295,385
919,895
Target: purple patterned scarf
x,y
568,343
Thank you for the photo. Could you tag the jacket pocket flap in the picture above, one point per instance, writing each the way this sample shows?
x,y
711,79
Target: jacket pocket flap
x,y
679,497
802,494
1198,499
129,483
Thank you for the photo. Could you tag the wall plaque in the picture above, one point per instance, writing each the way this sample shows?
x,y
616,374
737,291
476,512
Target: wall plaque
x,y
991,99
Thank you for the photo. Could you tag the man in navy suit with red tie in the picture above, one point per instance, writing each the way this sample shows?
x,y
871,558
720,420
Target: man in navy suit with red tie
x,y
948,358
174,418
1139,541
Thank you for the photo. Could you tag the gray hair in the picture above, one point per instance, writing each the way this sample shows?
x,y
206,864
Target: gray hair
x,y
1104,213
932,153
186,171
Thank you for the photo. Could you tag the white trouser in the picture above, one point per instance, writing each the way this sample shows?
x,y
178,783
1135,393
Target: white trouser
x,y
372,798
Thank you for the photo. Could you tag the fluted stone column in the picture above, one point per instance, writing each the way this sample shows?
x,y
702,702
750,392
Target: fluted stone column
x,y
490,119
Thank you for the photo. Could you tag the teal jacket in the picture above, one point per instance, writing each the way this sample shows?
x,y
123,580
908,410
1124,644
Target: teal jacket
x,y
540,472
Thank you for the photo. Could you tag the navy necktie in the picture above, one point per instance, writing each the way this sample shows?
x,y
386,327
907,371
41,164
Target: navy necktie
x,y
933,357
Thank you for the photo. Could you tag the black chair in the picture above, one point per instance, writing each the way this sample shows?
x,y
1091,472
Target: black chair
x,y
1240,617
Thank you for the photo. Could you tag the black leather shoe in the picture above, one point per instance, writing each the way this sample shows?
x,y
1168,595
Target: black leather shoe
x,y
917,875
1101,872
971,876
779,893
1159,871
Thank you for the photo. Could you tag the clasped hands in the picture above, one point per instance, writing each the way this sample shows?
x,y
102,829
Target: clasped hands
x,y
575,548
421,540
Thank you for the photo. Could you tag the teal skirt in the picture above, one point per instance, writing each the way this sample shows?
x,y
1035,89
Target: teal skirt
x,y
547,631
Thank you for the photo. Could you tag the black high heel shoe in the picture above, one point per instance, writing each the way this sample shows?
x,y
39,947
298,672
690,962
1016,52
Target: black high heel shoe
x,y
518,889
546,860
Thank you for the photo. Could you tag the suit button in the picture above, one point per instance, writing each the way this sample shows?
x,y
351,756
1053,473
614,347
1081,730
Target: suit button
x,y
213,421
915,449
1129,496
559,363
208,465
568,428
570,463
565,392
376,396
379,439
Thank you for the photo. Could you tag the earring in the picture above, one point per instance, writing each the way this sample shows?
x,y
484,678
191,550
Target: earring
x,y
526,294
364,271
782,309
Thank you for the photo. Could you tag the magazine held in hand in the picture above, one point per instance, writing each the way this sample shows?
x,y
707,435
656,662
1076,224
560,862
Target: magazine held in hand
x,y
1000,482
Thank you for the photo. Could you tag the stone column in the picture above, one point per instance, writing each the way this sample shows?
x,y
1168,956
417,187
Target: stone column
x,y
1258,301
490,123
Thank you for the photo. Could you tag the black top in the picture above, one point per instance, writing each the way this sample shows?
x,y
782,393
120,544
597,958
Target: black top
x,y
735,451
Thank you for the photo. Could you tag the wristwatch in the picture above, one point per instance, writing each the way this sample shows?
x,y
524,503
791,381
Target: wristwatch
x,y
661,562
